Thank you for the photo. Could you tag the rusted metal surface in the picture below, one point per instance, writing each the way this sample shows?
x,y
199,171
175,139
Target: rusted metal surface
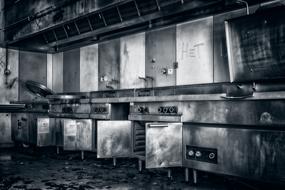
x,y
255,51
20,127
32,66
71,68
89,68
163,145
79,134
8,92
132,64
252,153
160,57
258,112
195,52
109,65
114,139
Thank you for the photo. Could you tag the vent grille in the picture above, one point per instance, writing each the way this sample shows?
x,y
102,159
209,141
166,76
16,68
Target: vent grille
x,y
71,29
111,16
128,11
60,33
147,7
83,25
96,21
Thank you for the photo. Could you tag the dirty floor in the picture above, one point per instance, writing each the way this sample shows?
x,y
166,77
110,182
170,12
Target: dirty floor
x,y
43,169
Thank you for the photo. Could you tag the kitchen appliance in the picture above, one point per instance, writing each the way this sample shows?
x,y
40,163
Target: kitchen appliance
x,y
114,131
72,114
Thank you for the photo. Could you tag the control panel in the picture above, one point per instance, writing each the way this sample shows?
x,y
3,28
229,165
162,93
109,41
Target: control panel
x,y
167,110
202,154
156,108
100,109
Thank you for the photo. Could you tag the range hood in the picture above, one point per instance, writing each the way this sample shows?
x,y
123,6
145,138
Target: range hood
x,y
111,19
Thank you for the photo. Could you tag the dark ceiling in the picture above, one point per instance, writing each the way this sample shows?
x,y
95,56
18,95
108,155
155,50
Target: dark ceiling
x,y
117,18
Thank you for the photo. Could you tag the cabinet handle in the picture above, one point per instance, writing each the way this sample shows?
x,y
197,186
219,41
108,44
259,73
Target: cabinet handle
x,y
157,125
236,97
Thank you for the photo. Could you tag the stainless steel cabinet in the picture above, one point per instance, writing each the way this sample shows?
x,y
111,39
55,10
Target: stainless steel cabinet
x,y
114,139
163,145
20,127
79,134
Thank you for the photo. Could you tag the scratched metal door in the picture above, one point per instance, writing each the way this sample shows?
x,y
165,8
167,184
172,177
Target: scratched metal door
x,y
160,57
109,65
132,66
114,139
195,52
163,145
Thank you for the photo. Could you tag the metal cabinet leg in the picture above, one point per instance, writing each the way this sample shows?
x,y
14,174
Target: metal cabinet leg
x,y
169,173
82,155
114,162
140,165
57,150
194,176
186,174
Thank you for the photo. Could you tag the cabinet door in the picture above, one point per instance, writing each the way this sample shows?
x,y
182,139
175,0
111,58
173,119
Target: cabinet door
x,y
114,139
85,134
69,134
195,52
20,128
45,131
160,57
163,145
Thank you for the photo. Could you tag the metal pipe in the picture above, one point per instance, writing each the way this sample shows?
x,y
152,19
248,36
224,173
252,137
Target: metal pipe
x,y
246,4
140,165
169,173
114,162
194,176
82,155
186,174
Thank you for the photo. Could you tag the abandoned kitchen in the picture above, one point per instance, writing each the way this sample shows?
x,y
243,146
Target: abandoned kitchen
x,y
142,94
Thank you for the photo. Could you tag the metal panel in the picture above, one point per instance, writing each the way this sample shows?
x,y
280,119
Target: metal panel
x,y
8,94
71,68
32,66
69,134
109,65
59,131
20,127
221,67
85,135
57,72
248,153
114,139
79,134
49,71
89,68
160,56
163,145
132,65
254,46
195,52
45,131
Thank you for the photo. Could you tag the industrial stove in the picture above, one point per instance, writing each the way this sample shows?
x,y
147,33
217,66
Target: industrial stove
x,y
228,128
31,125
114,131
71,112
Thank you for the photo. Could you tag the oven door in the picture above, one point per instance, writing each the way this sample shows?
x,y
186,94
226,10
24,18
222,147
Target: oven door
x,y
114,139
163,145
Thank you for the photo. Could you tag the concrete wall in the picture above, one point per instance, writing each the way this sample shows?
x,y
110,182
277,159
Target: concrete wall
x,y
8,94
